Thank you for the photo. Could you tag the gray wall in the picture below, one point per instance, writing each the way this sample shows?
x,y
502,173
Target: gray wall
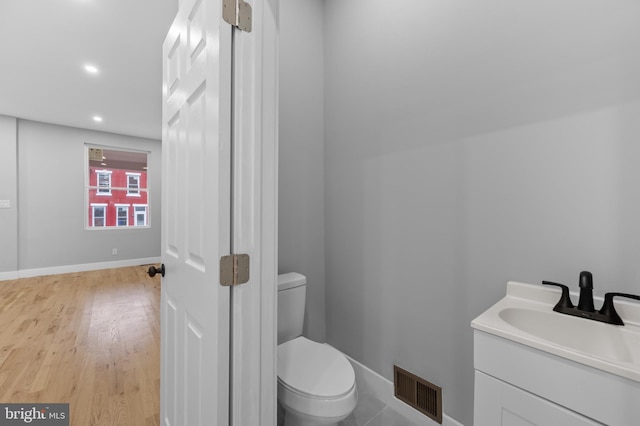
x,y
51,209
466,145
301,162
8,191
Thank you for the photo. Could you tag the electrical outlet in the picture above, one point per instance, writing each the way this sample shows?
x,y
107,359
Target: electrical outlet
x,y
114,252
5,204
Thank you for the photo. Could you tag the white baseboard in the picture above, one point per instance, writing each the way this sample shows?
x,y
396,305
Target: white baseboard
x,y
66,269
11,275
368,380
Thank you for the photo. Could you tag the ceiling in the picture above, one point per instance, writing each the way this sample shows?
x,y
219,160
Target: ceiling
x,y
45,45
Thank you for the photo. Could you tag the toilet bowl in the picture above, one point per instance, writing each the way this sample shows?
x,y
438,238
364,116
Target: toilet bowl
x,y
316,383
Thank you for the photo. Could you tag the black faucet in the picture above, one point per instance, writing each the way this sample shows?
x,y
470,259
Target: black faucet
x,y
585,303
585,307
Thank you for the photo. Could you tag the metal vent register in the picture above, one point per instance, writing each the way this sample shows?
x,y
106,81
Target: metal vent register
x,y
422,395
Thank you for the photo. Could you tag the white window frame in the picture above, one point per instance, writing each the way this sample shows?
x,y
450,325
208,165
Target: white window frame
x,y
135,214
135,192
99,190
126,209
93,214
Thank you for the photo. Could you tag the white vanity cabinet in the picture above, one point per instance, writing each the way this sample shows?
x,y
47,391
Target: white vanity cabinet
x,y
500,404
517,385
537,367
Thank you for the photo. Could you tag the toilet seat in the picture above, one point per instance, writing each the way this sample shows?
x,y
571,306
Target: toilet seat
x,y
314,370
315,380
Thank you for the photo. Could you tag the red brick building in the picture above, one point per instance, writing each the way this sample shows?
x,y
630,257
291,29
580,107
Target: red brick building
x,y
117,197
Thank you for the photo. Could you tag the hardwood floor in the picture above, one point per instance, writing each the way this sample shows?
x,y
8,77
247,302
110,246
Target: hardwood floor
x,y
91,339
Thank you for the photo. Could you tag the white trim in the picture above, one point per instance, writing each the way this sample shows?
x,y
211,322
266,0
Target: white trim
x,y
65,269
119,188
10,275
101,189
118,209
135,192
95,206
254,378
115,148
368,381
115,228
135,215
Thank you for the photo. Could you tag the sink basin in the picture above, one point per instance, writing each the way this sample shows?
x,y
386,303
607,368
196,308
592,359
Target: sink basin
x,y
525,315
589,337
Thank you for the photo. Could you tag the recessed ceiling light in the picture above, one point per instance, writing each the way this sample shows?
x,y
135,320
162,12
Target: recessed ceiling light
x,y
97,119
91,69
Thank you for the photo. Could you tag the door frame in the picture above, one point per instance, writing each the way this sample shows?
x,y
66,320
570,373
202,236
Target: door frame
x,y
255,224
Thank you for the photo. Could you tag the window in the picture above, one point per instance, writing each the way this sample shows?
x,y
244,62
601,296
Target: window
x,y
140,215
112,177
123,215
99,215
104,182
133,184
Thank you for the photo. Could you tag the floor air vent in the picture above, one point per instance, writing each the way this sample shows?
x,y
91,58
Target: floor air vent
x,y
418,393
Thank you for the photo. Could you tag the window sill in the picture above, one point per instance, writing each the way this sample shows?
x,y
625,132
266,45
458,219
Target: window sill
x,y
115,228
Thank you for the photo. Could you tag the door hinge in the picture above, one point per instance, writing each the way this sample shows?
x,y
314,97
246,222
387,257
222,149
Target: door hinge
x,y
237,13
234,269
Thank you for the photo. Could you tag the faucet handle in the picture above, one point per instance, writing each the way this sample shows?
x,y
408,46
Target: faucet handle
x,y
586,280
565,298
609,310
585,302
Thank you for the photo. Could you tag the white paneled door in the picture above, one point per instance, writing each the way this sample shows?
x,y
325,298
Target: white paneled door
x,y
195,217
219,194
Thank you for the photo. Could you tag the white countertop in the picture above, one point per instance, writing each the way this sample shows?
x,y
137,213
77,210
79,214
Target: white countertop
x,y
525,315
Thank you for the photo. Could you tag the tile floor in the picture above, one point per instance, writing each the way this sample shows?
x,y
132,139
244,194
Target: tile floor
x,y
369,411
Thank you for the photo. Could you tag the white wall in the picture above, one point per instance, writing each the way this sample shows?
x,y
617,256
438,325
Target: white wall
x,y
51,209
467,144
301,168
8,191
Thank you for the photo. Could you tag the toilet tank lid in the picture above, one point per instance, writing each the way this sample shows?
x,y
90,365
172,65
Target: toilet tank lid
x,y
291,280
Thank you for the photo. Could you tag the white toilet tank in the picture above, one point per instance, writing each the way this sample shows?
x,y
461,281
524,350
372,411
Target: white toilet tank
x,y
292,291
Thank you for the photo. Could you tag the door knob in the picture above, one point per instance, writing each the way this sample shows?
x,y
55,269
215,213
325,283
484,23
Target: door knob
x,y
153,270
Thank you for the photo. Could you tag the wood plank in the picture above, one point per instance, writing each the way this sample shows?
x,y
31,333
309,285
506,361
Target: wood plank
x,y
91,339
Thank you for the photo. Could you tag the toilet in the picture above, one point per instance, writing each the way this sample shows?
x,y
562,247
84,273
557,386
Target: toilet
x,y
316,383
